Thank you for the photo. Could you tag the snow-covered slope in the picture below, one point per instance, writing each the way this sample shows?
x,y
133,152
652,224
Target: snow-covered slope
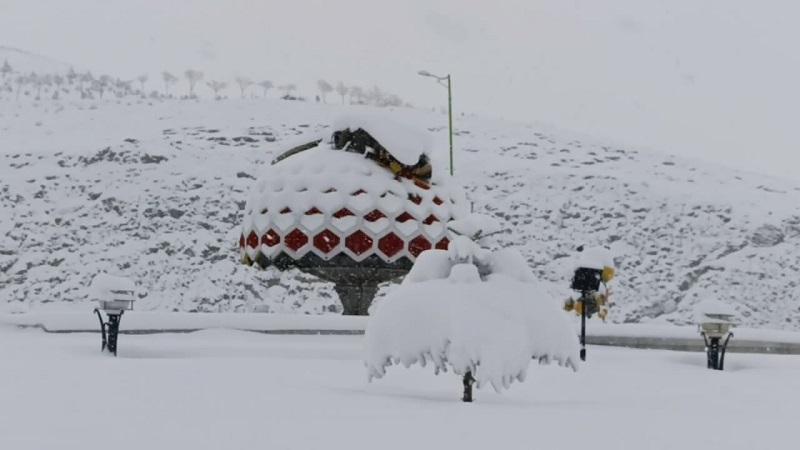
x,y
22,61
154,191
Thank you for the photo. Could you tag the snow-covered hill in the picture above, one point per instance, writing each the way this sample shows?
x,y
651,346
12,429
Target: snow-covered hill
x,y
154,190
22,61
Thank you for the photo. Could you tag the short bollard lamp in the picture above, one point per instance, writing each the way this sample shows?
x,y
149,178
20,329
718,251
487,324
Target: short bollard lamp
x,y
595,267
716,320
114,295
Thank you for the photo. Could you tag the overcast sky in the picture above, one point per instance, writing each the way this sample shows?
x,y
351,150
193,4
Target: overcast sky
x,y
715,79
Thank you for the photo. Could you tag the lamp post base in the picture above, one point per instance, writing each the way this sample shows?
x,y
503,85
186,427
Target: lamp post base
x,y
468,382
109,331
715,351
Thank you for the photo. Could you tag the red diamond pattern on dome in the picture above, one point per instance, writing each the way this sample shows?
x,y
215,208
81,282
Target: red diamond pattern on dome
x,y
421,184
326,241
415,198
344,212
442,245
374,215
286,210
270,238
241,241
405,217
390,244
252,239
418,245
313,211
437,200
359,242
431,219
295,240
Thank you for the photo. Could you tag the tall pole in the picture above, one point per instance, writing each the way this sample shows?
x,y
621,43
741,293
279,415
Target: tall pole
x,y
450,119
440,80
583,325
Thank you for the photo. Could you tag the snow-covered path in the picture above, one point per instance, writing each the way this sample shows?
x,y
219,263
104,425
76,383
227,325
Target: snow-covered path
x,y
235,390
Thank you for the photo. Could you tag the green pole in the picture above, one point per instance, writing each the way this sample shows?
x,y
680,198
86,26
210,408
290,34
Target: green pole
x,y
450,119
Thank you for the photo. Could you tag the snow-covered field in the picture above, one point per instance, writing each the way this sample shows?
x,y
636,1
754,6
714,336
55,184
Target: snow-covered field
x,y
154,190
236,390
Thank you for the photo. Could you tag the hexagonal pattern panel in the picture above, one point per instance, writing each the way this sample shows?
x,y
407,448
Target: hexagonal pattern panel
x,y
344,212
358,242
326,241
390,245
389,223
270,238
418,245
430,219
295,240
405,217
374,215
252,239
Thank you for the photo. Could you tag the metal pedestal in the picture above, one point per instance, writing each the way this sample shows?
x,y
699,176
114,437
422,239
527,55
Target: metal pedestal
x,y
715,352
468,382
109,330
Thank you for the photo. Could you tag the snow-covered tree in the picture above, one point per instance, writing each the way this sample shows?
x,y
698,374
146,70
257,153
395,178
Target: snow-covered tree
x,y
5,69
217,86
37,82
169,80
71,76
100,85
20,80
357,94
142,79
243,83
341,89
324,89
477,312
266,85
122,87
392,100
375,96
193,76
58,81
287,89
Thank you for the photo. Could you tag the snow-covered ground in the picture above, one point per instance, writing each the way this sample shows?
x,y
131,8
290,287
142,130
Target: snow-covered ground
x,y
154,191
236,390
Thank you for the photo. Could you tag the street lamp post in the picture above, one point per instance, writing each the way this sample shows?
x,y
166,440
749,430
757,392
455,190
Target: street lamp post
x,y
716,320
115,295
441,81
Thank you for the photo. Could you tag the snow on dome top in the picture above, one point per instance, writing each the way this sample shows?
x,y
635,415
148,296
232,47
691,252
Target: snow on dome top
x,y
713,309
319,173
595,258
104,284
405,142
